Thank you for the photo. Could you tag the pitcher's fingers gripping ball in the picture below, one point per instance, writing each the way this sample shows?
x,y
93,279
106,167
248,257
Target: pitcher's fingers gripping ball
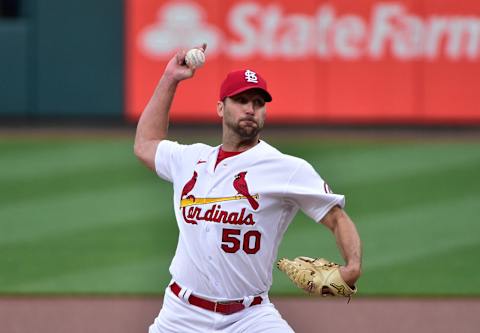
x,y
316,276
195,58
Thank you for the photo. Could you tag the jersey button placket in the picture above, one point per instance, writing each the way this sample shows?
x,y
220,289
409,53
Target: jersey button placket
x,y
211,194
206,227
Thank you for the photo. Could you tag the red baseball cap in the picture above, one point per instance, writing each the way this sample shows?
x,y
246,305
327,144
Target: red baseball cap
x,y
241,80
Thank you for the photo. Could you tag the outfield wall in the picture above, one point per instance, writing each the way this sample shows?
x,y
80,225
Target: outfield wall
x,y
374,62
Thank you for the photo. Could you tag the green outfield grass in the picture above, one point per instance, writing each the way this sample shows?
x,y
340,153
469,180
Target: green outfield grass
x,y
83,216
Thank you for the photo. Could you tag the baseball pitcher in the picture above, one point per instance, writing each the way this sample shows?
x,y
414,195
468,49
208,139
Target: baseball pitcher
x,y
233,203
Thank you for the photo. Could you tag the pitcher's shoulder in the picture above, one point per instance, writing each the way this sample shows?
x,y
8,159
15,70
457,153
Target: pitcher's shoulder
x,y
271,154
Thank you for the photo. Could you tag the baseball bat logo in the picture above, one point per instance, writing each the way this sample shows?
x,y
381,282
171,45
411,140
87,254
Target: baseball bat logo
x,y
239,183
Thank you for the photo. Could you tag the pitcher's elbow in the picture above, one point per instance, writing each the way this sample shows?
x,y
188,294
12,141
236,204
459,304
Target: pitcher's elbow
x,y
137,149
140,152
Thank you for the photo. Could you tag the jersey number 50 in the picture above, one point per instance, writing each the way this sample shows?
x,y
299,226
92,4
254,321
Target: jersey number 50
x,y
250,242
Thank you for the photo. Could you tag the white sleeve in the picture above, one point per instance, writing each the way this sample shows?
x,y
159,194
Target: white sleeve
x,y
311,193
168,158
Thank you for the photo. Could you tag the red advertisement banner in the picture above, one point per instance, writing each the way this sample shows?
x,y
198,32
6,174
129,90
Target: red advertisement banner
x,y
342,61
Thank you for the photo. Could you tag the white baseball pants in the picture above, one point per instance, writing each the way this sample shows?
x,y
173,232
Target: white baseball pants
x,y
177,316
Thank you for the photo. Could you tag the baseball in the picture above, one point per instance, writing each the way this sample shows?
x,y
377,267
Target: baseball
x,y
195,58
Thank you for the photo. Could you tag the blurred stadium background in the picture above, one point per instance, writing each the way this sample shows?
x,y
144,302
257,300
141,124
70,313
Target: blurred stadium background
x,y
382,97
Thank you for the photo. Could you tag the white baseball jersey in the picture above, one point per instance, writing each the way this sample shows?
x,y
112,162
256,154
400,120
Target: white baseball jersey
x,y
232,217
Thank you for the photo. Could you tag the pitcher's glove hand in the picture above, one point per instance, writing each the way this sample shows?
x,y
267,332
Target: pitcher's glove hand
x,y
316,276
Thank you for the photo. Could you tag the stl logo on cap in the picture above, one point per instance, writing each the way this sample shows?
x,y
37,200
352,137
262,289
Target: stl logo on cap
x,y
242,80
251,76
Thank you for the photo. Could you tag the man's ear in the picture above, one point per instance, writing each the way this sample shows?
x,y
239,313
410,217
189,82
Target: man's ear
x,y
220,108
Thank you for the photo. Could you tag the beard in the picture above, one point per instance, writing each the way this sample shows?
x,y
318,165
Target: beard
x,y
246,128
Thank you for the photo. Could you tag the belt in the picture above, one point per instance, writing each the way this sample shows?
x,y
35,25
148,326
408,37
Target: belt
x,y
226,308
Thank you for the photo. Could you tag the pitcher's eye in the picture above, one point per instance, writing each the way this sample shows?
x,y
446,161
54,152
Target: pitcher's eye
x,y
241,99
258,102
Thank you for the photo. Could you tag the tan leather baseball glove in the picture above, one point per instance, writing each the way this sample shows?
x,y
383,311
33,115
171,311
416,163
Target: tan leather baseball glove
x,y
316,276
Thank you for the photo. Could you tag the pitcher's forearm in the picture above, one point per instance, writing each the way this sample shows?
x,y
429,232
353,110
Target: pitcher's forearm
x,y
348,241
153,123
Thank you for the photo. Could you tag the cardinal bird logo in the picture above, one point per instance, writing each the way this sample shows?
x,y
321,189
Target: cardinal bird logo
x,y
240,184
189,186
